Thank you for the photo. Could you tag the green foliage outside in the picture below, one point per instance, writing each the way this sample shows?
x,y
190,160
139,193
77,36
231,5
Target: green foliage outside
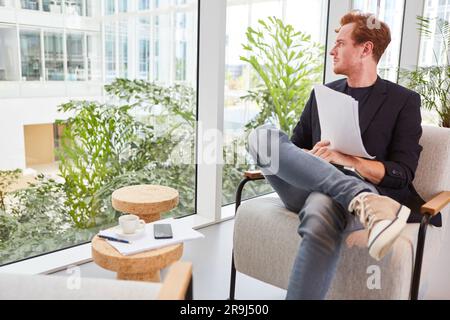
x,y
288,63
103,147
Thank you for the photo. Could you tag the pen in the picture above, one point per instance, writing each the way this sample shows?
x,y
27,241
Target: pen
x,y
113,239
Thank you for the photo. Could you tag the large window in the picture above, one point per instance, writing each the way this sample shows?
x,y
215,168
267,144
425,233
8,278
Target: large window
x,y
98,141
391,12
305,16
433,50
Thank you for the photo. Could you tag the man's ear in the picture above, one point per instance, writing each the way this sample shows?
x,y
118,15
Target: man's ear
x,y
367,49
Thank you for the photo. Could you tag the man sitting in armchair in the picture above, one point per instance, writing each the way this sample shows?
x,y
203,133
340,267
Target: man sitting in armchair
x,y
330,202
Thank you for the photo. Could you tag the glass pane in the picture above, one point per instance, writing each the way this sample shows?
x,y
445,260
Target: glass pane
x,y
305,16
110,7
123,49
94,58
93,8
434,58
7,3
391,12
54,56
144,34
30,54
53,6
110,51
144,4
75,57
433,49
75,7
30,4
9,62
123,5
181,46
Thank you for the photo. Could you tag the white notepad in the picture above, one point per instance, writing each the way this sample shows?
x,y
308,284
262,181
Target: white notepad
x,y
147,242
339,121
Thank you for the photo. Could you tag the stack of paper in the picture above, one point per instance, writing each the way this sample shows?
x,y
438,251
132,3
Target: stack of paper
x,y
339,121
146,242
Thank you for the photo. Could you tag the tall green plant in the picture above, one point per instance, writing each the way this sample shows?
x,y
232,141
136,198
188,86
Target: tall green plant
x,y
288,63
94,146
433,82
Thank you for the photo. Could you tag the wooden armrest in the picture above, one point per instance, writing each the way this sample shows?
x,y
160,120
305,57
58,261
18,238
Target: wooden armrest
x,y
436,204
254,174
176,283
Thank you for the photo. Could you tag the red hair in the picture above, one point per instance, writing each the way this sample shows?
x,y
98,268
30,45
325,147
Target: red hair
x,y
368,28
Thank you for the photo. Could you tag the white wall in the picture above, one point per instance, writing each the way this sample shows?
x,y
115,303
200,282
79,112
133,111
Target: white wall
x,y
14,114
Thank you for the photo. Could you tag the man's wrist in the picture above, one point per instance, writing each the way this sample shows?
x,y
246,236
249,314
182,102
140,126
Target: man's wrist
x,y
354,162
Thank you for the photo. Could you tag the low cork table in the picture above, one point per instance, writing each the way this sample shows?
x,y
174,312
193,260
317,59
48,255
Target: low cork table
x,y
143,266
145,201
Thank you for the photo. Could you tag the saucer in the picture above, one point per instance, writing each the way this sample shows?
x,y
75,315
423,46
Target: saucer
x,y
137,234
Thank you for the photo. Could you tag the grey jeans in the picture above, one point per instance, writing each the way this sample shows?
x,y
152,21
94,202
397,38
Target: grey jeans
x,y
320,193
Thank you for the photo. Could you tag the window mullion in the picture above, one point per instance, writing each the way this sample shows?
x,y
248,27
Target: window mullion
x,y
211,81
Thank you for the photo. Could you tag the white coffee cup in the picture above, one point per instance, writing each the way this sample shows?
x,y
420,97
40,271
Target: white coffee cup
x,y
130,223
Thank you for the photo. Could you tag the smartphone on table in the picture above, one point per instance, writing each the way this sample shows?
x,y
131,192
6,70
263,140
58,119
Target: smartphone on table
x,y
162,231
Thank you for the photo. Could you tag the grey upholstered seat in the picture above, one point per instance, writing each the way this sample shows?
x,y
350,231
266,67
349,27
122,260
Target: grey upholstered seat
x,y
266,239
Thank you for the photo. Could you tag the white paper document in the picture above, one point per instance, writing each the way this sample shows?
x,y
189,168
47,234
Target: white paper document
x,y
339,121
146,242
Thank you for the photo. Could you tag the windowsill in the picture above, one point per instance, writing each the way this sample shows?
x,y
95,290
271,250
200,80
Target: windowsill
x,y
60,260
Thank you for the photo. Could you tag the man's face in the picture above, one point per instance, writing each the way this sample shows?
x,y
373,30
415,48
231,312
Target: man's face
x,y
346,55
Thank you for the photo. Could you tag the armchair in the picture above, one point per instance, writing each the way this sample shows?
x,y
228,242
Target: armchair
x,y
265,239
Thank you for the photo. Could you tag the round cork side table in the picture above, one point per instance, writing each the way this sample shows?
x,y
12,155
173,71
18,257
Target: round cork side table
x,y
145,201
144,266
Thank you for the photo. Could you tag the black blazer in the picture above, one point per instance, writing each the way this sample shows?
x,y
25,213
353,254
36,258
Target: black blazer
x,y
391,128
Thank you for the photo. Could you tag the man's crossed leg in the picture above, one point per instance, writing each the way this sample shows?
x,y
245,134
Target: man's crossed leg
x,y
292,167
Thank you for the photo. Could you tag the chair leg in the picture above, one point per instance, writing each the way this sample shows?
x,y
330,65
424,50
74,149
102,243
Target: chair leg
x,y
233,268
415,284
232,278
190,290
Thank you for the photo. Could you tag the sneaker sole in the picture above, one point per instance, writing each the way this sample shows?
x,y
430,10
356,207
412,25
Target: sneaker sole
x,y
386,238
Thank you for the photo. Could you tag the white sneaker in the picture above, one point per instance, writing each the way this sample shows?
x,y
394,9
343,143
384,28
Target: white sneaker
x,y
383,217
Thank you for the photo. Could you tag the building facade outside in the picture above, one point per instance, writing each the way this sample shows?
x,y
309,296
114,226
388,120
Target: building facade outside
x,y
54,51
